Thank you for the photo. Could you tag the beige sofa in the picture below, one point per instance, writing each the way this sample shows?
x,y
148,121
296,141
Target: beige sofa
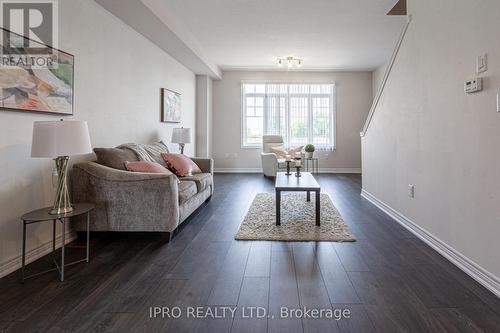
x,y
270,162
137,202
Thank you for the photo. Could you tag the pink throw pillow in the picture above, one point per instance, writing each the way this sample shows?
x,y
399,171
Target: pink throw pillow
x,y
180,164
144,166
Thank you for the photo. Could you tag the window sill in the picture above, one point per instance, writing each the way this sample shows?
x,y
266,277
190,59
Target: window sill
x,y
325,149
317,149
251,147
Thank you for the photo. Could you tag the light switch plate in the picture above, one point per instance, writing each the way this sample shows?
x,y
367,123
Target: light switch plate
x,y
498,102
482,63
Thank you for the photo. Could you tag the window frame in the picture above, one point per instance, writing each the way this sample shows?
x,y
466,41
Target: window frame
x,y
332,96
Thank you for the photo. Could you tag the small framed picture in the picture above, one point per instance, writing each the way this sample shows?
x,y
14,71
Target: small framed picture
x,y
171,111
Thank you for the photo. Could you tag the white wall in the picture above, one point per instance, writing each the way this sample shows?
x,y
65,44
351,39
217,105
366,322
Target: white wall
x,y
204,116
426,131
377,77
118,75
354,97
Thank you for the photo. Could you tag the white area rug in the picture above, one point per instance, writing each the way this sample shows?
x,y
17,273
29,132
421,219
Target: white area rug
x,y
297,220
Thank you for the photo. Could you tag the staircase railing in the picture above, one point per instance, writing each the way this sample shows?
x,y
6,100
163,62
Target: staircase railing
x,y
386,76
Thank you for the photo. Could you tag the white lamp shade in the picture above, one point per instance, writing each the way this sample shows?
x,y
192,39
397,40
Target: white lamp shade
x,y
181,135
60,138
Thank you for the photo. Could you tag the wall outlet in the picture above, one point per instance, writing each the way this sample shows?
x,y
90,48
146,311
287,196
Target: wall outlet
x,y
226,155
411,191
235,155
498,102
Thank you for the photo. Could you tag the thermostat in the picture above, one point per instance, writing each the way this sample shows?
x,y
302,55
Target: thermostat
x,y
473,85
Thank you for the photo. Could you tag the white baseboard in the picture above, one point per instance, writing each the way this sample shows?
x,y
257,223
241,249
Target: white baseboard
x,y
481,275
238,170
340,170
259,170
13,264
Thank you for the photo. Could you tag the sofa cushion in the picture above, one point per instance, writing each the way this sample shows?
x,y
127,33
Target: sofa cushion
x,y
202,180
148,167
155,150
147,152
115,157
294,151
187,189
280,151
180,164
267,147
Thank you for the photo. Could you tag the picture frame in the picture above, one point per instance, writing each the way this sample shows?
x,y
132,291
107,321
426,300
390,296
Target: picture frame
x,y
36,89
171,108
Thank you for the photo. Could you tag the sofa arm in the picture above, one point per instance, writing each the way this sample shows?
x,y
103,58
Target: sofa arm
x,y
126,201
206,164
269,164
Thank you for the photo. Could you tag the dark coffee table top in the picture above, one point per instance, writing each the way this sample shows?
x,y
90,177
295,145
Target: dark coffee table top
x,y
292,183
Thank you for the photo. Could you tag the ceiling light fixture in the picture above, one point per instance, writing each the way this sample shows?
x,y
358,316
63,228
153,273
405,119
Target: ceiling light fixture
x,y
290,62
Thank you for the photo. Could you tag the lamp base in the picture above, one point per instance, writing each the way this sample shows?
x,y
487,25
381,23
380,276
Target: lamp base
x,y
181,147
62,204
63,210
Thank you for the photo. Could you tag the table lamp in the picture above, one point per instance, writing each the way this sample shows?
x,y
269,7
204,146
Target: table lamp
x,y
181,136
60,140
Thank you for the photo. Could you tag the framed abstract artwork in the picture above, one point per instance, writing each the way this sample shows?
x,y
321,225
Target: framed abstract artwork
x,y
32,82
170,106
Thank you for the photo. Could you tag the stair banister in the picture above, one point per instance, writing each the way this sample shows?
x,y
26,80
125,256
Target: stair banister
x,y
386,76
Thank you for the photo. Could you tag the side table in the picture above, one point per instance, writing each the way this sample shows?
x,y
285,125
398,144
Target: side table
x,y
315,164
41,215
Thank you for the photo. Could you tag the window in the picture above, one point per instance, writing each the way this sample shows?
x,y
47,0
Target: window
x,y
301,112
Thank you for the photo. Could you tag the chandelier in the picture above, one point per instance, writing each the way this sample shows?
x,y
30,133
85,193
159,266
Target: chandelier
x,y
290,62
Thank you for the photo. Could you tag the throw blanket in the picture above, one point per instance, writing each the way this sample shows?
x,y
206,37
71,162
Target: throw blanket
x,y
148,152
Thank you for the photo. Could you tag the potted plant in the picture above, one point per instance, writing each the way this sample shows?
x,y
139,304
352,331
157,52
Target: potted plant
x,y
309,149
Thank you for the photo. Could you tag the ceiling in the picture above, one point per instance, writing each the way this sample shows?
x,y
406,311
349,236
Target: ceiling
x,y
251,34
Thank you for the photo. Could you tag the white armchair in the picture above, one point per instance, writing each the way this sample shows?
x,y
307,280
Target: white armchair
x,y
270,162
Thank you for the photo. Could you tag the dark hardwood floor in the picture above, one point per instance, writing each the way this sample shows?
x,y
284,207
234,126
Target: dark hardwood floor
x,y
389,280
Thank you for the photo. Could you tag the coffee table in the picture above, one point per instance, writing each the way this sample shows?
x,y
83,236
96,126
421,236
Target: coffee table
x,y
305,183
